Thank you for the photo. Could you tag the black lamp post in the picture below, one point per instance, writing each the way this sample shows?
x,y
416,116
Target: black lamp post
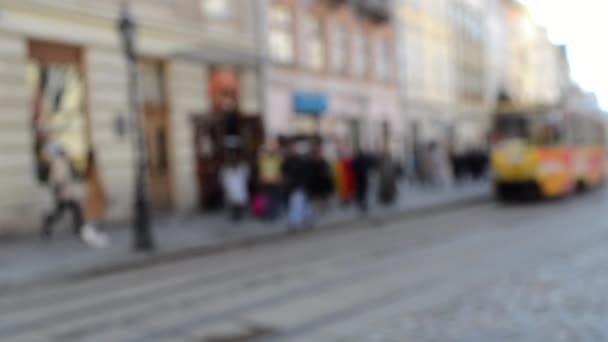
x,y
142,235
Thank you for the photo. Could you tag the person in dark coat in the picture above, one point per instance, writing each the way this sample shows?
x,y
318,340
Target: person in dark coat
x,y
321,180
62,185
361,169
387,190
296,172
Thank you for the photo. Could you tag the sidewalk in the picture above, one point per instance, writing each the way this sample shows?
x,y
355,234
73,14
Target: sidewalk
x,y
30,261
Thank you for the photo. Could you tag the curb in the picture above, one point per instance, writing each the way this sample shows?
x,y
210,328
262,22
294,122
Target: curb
x,y
169,256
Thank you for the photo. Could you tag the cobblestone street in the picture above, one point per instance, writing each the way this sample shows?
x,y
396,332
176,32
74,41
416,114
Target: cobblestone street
x,y
484,272
562,302
303,171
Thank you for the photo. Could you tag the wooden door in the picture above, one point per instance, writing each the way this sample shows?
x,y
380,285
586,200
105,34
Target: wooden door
x,y
208,150
157,131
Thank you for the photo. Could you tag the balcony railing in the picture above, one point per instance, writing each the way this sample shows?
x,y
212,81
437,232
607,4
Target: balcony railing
x,y
336,3
378,10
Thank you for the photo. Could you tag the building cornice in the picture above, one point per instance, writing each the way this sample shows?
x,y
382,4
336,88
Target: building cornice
x,y
100,14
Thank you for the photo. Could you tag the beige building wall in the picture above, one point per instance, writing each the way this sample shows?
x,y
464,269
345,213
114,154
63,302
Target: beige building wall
x,y
187,84
19,190
107,84
167,34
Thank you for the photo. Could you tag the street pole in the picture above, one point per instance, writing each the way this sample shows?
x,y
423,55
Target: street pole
x,y
142,235
263,65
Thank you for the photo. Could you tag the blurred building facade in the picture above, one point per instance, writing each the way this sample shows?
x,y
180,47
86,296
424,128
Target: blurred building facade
x,y
537,71
332,73
428,94
444,69
471,67
368,73
580,101
64,74
496,52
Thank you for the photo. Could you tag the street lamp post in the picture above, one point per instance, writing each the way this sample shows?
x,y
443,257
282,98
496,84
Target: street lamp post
x,y
142,235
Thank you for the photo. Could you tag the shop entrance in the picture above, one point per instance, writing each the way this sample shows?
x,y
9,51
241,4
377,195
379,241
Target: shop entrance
x,y
157,131
210,153
224,128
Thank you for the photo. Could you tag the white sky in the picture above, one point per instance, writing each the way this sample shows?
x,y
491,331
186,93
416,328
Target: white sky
x,y
582,25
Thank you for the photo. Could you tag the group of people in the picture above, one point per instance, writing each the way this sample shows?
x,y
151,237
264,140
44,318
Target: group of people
x,y
473,164
297,179
434,165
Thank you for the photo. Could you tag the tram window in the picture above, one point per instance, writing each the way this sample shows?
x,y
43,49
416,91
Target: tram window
x,y
512,126
551,135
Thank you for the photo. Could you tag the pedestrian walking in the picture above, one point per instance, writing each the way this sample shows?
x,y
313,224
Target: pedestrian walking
x,y
344,177
361,166
387,189
423,164
321,179
296,171
234,176
63,192
270,179
440,166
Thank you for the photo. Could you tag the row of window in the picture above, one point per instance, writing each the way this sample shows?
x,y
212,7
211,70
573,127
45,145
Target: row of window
x,y
470,25
439,9
335,48
456,13
218,9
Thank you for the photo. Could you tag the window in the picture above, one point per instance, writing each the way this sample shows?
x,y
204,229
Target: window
x,y
281,34
550,135
316,48
412,65
150,78
220,9
360,54
340,49
512,125
437,72
383,62
403,60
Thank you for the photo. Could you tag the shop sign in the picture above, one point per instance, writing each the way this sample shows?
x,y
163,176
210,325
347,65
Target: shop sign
x,y
310,103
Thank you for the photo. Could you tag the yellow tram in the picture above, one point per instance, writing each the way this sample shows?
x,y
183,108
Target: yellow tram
x,y
546,152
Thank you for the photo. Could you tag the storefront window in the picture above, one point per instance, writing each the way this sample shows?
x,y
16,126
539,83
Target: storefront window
x,y
58,114
281,34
